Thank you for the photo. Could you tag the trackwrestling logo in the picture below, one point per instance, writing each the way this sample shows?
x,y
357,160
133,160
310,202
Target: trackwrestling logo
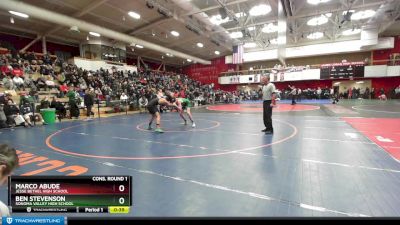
x,y
33,220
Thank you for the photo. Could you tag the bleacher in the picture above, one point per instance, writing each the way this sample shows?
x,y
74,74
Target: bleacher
x,y
103,109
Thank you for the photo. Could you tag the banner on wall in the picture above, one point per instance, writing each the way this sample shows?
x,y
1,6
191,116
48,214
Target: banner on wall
x,y
342,70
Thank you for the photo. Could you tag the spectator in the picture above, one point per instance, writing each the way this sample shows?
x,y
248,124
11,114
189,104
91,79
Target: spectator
x,y
45,103
19,83
319,92
89,102
293,93
8,83
73,102
12,113
50,83
143,103
27,112
373,93
61,112
3,117
5,97
124,98
28,82
26,98
63,90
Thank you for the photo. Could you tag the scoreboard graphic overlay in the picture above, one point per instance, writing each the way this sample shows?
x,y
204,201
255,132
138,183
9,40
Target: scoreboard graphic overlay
x,y
83,194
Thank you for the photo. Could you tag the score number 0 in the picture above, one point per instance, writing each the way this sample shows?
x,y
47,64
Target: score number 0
x,y
121,200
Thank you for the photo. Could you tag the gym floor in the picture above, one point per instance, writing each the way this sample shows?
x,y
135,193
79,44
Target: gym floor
x,y
323,159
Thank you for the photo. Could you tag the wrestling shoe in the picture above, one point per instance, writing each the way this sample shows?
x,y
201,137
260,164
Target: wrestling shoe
x,y
159,130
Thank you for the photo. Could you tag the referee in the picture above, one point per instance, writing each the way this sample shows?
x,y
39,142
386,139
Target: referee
x,y
268,92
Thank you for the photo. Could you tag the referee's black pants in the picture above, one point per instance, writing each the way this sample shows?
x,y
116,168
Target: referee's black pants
x,y
267,115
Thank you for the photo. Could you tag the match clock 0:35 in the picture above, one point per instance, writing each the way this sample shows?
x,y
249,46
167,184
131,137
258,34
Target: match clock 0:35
x,y
118,209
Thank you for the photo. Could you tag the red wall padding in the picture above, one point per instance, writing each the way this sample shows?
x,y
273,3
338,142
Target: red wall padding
x,y
388,83
385,54
208,74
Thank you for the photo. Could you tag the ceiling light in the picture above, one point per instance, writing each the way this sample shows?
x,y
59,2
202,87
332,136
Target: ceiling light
x,y
94,34
237,34
317,21
251,28
315,35
260,10
217,52
363,15
351,32
169,55
200,45
189,60
250,45
19,14
269,28
359,82
139,46
217,20
87,38
316,2
134,15
11,20
240,14
175,33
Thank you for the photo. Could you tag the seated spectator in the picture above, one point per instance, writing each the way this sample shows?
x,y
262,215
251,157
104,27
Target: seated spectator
x,y
3,117
41,83
27,68
5,97
17,72
13,114
50,83
6,69
19,83
397,92
61,111
8,83
34,93
26,98
99,94
63,90
123,98
61,78
27,113
82,84
45,103
28,82
143,103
